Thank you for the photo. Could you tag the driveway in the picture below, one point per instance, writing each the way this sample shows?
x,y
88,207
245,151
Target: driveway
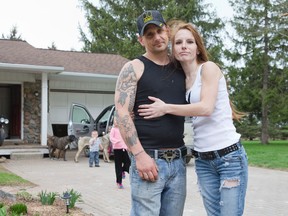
x,y
267,189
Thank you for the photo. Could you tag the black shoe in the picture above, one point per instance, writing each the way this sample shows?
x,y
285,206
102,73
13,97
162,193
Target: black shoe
x,y
97,165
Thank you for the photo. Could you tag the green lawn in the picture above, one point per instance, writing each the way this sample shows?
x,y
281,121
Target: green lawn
x,y
9,179
272,156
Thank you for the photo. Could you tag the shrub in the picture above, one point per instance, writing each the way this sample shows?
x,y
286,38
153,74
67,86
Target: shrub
x,y
3,211
18,209
47,198
75,196
24,195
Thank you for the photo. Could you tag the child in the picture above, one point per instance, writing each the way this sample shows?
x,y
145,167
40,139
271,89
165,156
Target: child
x,y
94,144
121,157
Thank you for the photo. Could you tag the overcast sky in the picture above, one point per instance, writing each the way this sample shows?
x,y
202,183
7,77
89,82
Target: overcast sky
x,y
41,22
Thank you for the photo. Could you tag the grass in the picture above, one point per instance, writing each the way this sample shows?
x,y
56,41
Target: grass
x,y
9,179
272,156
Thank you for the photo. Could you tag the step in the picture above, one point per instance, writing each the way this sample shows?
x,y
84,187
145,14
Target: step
x,y
9,149
24,155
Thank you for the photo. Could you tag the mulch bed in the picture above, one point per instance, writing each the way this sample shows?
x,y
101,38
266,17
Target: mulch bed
x,y
35,207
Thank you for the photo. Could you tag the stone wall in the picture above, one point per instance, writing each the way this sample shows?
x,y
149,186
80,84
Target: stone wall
x,y
32,112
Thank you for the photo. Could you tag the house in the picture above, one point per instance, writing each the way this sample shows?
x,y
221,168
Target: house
x,y
37,87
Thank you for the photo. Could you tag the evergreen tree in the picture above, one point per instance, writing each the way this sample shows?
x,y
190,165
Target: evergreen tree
x,y
259,75
112,25
53,46
13,34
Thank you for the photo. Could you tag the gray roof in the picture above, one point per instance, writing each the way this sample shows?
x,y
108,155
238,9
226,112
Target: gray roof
x,y
20,52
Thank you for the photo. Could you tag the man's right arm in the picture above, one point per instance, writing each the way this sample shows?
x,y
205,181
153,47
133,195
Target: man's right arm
x,y
124,102
125,94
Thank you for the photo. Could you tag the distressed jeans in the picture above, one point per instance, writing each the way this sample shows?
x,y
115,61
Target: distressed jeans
x,y
223,183
166,196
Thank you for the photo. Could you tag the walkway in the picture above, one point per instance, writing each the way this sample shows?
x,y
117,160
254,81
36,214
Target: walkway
x,y
267,191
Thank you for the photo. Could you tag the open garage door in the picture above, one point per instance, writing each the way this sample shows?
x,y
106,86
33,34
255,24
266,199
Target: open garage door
x,y
60,103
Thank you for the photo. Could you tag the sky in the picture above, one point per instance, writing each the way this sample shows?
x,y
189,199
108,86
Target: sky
x,y
42,22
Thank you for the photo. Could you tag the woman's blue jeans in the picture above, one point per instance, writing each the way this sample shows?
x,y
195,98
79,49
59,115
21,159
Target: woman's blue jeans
x,y
223,183
166,196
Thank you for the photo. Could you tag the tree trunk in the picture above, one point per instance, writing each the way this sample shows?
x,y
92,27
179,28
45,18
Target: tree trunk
x,y
265,122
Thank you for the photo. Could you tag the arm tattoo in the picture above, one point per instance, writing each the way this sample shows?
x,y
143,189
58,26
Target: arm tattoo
x,y
126,86
127,126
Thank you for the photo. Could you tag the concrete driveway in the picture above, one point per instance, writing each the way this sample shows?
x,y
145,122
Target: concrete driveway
x,y
267,189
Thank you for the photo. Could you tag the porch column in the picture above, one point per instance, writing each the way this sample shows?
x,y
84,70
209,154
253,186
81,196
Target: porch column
x,y
44,109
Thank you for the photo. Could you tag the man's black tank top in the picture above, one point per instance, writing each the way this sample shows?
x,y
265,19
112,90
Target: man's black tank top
x,y
168,84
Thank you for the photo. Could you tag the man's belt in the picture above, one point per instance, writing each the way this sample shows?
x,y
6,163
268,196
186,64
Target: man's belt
x,y
211,155
167,154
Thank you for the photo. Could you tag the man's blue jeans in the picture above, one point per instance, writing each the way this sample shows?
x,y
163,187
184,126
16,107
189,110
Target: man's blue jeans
x,y
223,183
166,196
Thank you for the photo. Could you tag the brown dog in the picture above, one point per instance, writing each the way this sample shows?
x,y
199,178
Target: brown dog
x,y
60,143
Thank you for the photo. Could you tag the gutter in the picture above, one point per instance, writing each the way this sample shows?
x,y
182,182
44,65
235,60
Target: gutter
x,y
82,76
88,75
30,68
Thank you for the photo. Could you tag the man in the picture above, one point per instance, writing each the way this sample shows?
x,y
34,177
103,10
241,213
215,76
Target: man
x,y
157,172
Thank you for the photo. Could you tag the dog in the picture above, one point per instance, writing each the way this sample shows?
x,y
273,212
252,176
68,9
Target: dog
x,y
59,143
106,145
84,141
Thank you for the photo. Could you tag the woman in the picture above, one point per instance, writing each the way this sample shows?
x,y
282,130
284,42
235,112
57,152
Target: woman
x,y
220,159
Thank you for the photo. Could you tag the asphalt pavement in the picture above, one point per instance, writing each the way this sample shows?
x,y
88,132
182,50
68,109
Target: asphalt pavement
x,y
267,193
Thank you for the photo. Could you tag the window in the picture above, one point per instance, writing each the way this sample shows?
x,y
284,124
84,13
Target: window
x,y
80,115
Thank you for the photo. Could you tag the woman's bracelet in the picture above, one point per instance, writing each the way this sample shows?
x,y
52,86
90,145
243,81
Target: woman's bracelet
x,y
138,153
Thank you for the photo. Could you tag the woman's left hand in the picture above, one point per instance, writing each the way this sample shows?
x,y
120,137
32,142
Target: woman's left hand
x,y
153,110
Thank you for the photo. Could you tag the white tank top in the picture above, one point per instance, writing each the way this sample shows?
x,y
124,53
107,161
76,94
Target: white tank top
x,y
216,131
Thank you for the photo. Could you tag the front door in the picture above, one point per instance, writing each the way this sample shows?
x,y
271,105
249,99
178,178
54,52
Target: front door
x,y
10,108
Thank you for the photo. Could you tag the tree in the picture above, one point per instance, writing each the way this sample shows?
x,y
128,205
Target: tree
x,y
259,79
53,46
13,34
112,25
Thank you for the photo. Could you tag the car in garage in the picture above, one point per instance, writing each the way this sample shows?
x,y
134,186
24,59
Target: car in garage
x,y
81,123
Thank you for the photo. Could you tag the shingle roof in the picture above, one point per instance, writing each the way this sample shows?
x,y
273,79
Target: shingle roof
x,y
20,52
